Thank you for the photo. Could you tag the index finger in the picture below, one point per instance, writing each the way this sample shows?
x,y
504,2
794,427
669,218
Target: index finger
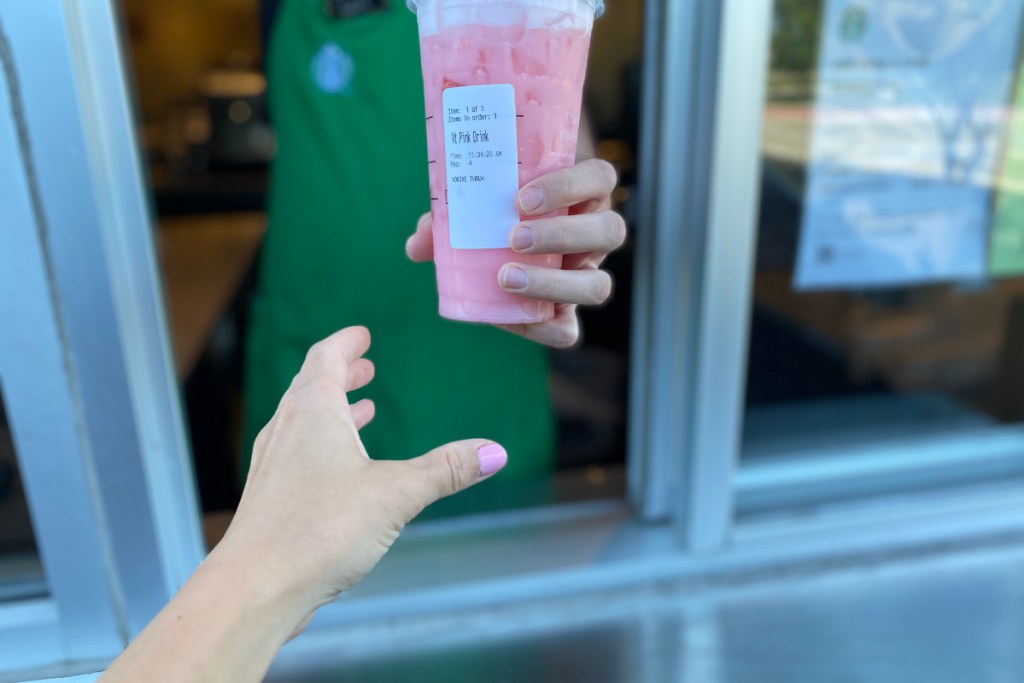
x,y
332,356
588,180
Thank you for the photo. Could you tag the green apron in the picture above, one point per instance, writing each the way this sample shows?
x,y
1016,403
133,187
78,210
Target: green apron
x,y
348,185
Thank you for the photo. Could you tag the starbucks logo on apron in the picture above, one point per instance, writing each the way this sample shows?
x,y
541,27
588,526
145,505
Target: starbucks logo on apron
x,y
332,69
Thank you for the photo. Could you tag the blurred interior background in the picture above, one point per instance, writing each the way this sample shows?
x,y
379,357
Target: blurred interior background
x,y
197,70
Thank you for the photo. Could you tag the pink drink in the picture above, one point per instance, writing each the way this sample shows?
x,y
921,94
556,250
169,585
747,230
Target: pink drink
x,y
541,51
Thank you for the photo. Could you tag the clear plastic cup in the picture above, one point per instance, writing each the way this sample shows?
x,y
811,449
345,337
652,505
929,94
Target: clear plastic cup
x,y
484,143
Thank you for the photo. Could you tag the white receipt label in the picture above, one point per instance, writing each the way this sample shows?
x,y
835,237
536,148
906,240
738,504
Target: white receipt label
x,y
481,164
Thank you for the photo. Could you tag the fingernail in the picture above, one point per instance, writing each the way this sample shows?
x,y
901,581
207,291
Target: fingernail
x,y
492,458
522,237
513,278
530,198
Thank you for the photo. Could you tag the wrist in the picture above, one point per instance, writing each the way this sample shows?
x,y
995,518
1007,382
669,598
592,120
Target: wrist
x,y
255,587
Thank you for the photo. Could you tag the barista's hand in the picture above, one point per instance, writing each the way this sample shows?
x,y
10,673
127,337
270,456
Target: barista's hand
x,y
586,236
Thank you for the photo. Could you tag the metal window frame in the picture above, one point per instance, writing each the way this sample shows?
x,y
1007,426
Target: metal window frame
x,y
700,152
681,39
727,494
706,517
45,424
93,402
126,228
700,185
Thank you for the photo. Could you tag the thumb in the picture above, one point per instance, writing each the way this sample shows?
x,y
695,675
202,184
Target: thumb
x,y
454,467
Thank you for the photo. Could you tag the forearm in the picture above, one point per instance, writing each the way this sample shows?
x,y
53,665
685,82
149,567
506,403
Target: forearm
x,y
225,624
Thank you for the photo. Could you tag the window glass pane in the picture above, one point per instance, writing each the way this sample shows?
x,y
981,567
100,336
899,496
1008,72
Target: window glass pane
x,y
887,327
21,574
266,222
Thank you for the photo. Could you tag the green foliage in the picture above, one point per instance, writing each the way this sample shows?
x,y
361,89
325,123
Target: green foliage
x,y
796,28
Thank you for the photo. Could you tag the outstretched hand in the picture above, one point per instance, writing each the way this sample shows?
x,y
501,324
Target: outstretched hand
x,y
316,515
315,503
